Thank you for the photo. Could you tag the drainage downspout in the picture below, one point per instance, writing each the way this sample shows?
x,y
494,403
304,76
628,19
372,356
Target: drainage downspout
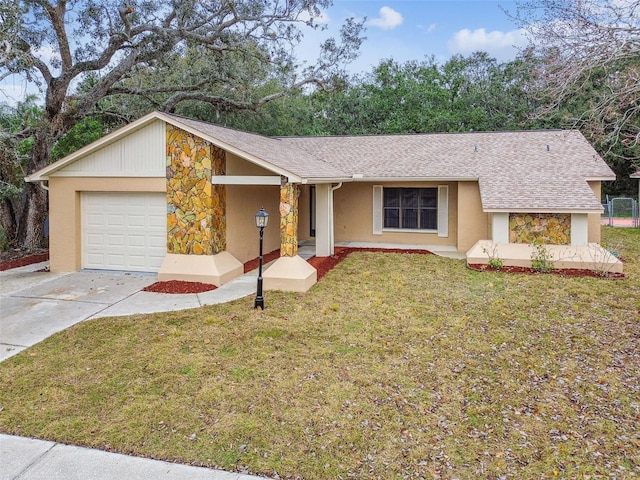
x,y
45,187
332,239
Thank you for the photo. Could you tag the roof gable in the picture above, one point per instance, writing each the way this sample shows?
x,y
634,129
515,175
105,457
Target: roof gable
x,y
266,152
139,154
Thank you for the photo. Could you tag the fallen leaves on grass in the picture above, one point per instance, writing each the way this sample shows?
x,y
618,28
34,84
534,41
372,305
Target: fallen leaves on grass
x,y
394,366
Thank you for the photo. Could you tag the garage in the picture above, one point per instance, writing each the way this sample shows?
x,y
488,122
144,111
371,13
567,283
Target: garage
x,y
123,230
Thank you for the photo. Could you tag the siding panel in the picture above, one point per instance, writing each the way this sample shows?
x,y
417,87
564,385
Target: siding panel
x,y
140,154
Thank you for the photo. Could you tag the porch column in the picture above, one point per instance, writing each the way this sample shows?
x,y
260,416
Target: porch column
x,y
196,212
290,272
324,245
289,194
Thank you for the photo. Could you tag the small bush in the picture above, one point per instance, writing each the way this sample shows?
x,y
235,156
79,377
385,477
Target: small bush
x,y
541,257
494,259
496,263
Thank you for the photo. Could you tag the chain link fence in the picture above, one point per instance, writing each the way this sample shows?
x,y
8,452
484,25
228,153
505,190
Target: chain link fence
x,y
621,212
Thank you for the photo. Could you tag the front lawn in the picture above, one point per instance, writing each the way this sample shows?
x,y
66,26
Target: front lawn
x,y
393,366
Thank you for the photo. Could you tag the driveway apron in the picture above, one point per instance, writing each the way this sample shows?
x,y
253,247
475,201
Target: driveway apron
x,y
34,305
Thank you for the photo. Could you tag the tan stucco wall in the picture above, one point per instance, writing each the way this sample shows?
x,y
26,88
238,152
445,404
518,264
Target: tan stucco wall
x,y
243,202
353,209
473,223
65,218
594,218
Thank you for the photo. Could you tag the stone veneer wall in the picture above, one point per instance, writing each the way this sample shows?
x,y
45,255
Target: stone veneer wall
x,y
196,209
549,228
289,194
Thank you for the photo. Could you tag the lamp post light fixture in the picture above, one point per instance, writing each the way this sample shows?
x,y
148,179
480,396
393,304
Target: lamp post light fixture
x,y
262,219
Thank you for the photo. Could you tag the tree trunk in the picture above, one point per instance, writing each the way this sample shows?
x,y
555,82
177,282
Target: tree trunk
x,y
36,199
8,219
34,214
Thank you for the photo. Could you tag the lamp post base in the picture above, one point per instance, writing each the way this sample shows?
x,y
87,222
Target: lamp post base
x,y
259,303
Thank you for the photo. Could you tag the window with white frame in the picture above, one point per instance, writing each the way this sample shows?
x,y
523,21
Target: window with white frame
x,y
418,209
411,208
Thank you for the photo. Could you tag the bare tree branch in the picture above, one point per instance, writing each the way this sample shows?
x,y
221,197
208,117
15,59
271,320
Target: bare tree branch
x,y
588,46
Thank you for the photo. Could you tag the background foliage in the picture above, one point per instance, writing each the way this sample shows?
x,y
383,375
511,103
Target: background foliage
x,y
236,68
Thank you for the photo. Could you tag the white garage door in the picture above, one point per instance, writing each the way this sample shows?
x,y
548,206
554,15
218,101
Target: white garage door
x,y
124,231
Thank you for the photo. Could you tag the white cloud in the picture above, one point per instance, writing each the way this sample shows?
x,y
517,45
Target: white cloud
x,y
388,20
322,19
47,54
501,45
428,28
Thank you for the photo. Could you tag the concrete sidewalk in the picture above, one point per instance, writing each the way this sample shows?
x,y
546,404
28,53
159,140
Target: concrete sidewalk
x,y
29,459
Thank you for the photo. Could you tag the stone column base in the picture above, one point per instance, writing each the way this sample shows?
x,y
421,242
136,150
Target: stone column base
x,y
214,269
291,274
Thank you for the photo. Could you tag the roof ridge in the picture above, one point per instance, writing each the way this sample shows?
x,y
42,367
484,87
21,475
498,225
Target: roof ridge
x,y
417,134
217,125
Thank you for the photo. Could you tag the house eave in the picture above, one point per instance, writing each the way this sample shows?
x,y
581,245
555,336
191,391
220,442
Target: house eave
x,y
44,173
321,180
600,179
413,179
36,178
543,210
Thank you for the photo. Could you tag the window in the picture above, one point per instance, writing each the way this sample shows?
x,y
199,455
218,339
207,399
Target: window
x,y
417,209
410,208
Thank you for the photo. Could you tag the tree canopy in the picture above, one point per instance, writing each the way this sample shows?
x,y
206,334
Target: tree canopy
x,y
102,64
594,46
102,53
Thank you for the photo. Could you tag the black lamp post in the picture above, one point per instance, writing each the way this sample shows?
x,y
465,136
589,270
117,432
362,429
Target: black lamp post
x,y
262,218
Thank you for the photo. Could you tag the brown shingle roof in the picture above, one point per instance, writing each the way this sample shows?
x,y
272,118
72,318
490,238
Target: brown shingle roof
x,y
271,150
538,170
526,170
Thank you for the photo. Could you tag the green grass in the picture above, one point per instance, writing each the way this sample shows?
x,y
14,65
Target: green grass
x,y
393,366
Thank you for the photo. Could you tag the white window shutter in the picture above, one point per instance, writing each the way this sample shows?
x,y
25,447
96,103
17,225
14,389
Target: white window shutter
x,y
377,209
443,210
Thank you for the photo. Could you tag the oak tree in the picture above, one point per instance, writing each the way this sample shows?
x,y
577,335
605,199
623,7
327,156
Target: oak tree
x,y
113,48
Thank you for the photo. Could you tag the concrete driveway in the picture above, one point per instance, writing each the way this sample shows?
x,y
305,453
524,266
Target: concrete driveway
x,y
34,305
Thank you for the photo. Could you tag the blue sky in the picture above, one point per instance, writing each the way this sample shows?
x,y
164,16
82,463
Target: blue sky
x,y
415,29
399,29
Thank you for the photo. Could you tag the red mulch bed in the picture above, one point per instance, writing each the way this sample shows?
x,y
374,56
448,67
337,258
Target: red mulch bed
x,y
175,286
253,264
179,286
565,272
22,261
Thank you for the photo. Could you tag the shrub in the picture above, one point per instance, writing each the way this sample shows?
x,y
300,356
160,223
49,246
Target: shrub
x,y
541,257
494,259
